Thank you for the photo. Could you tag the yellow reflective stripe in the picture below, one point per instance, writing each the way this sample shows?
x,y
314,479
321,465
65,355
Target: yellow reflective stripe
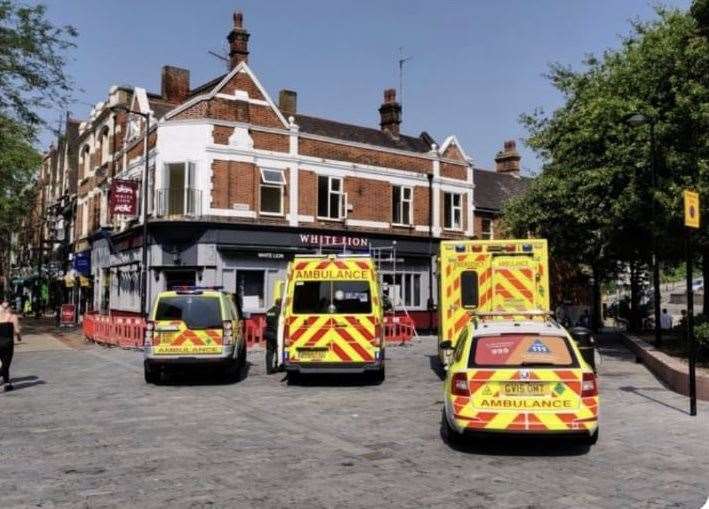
x,y
502,420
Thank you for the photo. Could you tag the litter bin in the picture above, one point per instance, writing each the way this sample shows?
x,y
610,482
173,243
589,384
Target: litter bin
x,y
586,343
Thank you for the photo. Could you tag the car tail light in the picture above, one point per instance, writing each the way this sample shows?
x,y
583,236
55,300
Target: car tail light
x,y
459,385
228,332
149,333
589,386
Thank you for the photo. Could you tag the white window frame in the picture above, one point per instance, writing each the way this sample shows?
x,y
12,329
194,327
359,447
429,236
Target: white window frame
x,y
342,200
280,185
105,149
407,277
190,168
86,161
490,232
450,214
400,205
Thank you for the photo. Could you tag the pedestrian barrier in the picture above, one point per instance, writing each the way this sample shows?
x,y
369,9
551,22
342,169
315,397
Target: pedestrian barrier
x,y
398,329
126,332
254,329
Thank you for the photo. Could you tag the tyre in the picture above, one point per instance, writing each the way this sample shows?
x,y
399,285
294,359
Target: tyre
x,y
378,376
590,440
448,433
294,378
151,373
242,365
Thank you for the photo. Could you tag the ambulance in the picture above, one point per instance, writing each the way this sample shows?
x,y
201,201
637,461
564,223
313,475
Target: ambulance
x,y
488,275
521,375
194,326
333,317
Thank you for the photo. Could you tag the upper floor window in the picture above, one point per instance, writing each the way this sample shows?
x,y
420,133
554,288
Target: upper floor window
x,y
486,232
272,184
401,198
85,162
453,211
332,200
105,148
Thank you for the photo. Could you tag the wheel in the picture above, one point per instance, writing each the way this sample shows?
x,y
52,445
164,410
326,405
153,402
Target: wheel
x,y
294,377
448,433
378,376
242,364
590,440
152,374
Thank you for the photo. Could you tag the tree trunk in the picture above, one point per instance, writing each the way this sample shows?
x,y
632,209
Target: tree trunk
x,y
634,298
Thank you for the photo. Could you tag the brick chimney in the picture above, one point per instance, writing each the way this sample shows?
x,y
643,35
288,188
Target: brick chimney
x,y
287,102
174,84
390,113
507,160
238,42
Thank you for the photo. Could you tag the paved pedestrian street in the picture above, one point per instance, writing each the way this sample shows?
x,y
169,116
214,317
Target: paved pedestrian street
x,y
83,429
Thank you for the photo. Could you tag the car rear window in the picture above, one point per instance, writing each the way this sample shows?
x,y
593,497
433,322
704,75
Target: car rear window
x,y
332,297
521,350
197,311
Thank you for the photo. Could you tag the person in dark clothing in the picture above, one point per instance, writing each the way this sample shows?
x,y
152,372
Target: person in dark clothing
x,y
272,318
9,329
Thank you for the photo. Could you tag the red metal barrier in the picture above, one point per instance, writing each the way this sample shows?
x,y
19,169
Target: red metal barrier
x,y
398,329
254,329
126,332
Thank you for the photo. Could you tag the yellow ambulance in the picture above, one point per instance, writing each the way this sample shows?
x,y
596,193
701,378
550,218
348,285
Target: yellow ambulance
x,y
520,376
194,326
333,318
488,275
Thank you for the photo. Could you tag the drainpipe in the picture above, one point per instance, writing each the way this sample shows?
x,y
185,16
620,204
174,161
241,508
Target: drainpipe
x,y
429,304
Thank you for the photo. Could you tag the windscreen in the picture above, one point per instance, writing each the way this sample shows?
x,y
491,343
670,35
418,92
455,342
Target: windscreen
x,y
332,297
521,350
197,311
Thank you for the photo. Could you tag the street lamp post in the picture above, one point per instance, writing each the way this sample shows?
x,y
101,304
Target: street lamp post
x,y
144,199
636,120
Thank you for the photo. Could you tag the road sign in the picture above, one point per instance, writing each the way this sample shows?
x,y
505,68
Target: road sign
x,y
691,209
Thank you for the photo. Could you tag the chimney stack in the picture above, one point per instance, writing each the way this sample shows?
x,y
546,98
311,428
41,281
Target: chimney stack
x,y
238,42
287,102
507,159
174,84
390,113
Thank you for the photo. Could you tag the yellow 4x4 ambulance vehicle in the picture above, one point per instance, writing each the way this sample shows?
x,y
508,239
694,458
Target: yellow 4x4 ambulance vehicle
x,y
333,316
519,376
192,325
488,275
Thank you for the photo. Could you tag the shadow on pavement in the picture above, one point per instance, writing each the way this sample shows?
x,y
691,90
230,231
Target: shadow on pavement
x,y
436,366
520,445
640,392
333,379
198,375
24,382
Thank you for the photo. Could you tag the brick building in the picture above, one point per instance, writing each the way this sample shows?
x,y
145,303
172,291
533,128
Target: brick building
x,y
239,183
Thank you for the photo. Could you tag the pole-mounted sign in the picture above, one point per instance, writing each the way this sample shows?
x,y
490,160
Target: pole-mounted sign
x,y
123,197
691,209
691,221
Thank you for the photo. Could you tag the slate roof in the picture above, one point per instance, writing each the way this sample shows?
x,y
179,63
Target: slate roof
x,y
359,134
493,189
160,108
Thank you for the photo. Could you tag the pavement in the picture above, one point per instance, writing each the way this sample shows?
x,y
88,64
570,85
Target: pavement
x,y
82,429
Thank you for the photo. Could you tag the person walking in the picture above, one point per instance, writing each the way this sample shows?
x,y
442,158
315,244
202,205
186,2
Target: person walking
x,y
272,318
9,330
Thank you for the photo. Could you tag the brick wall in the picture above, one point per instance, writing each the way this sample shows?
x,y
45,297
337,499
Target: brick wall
x,y
242,81
270,141
234,182
371,199
221,134
137,149
478,224
421,205
453,152
454,171
308,191
339,152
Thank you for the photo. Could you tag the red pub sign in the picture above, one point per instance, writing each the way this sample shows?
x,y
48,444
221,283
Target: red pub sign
x,y
123,197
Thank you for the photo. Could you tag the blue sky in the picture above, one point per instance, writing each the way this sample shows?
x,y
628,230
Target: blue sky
x,y
475,65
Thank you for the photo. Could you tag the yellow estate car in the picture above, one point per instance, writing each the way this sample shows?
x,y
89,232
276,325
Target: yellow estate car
x,y
525,377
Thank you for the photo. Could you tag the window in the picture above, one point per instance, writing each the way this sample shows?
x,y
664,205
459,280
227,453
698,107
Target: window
x,y
514,350
198,312
331,198
86,162
250,289
401,205
469,289
486,232
105,148
404,289
272,183
453,211
332,297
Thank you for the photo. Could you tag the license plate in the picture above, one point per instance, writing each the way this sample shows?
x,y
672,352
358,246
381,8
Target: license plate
x,y
312,355
525,389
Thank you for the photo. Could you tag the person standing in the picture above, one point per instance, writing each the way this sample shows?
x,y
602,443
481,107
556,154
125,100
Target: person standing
x,y
9,330
273,316
665,320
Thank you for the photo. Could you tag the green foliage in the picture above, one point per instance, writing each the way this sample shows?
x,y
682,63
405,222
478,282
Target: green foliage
x,y
31,63
596,199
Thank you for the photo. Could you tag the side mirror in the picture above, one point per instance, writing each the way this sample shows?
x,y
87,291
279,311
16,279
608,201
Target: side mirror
x,y
446,345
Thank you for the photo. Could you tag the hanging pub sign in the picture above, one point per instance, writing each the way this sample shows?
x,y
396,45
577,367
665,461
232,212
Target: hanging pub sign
x,y
123,197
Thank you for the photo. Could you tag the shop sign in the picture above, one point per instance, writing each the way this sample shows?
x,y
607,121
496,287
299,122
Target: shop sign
x,y
272,256
316,240
123,197
82,262
66,314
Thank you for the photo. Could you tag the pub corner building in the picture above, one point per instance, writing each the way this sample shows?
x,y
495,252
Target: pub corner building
x,y
238,185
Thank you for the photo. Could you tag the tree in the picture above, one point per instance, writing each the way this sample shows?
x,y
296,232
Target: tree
x,y
594,197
